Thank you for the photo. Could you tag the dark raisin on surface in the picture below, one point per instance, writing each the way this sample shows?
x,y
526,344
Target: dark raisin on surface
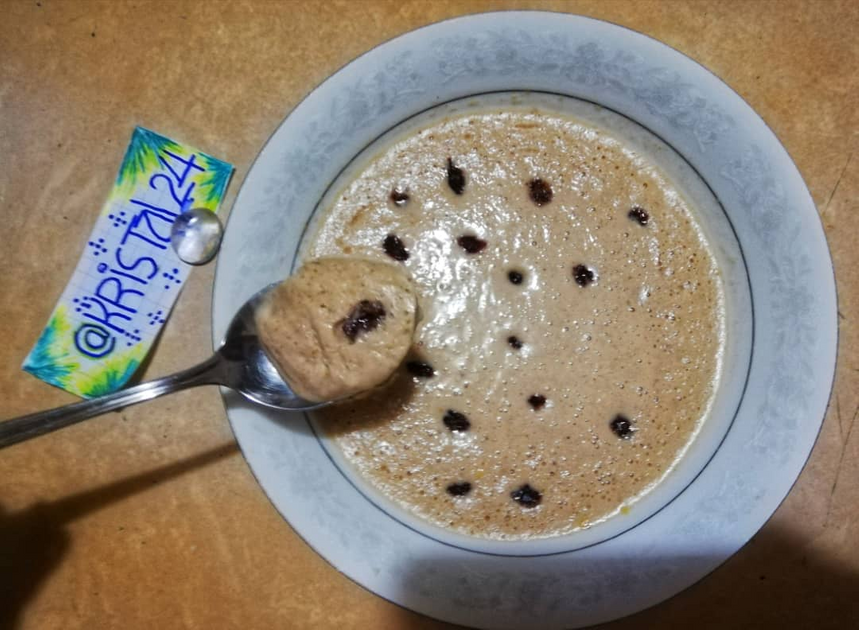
x,y
526,496
639,214
540,191
364,316
459,488
419,368
455,177
514,342
456,421
399,197
515,277
583,275
537,401
394,248
471,244
622,426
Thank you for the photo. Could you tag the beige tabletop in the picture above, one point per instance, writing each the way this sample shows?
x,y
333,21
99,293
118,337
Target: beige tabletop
x,y
149,517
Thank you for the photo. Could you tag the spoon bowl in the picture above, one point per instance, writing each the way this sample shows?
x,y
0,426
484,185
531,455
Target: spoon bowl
x,y
246,366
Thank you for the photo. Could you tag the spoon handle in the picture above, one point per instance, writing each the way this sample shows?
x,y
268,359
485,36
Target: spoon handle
x,y
208,372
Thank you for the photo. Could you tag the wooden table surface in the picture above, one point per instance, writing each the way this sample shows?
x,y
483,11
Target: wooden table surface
x,y
150,518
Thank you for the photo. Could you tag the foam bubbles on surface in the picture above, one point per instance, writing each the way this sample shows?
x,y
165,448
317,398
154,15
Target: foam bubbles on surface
x,y
643,340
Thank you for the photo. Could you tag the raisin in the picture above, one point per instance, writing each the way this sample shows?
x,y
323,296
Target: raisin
x,y
459,488
540,191
514,342
364,316
471,244
419,368
622,426
583,275
515,277
455,177
639,214
399,197
537,401
456,421
395,249
526,496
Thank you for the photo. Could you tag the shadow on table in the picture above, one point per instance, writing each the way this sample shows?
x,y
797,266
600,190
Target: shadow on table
x,y
772,583
775,581
34,541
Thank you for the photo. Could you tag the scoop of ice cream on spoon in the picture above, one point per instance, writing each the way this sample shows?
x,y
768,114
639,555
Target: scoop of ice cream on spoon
x,y
339,326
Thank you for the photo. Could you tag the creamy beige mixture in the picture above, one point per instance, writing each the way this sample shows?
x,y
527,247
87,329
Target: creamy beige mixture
x,y
339,326
569,345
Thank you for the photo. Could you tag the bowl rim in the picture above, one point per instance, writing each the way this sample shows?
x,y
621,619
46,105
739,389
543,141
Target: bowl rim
x,y
808,201
709,438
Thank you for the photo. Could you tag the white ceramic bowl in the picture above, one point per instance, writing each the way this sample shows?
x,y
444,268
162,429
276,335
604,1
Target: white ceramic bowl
x,y
781,304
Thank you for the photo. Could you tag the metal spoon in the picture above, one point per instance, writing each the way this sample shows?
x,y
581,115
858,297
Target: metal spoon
x,y
240,363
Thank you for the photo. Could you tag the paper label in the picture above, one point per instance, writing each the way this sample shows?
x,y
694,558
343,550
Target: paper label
x,y
129,277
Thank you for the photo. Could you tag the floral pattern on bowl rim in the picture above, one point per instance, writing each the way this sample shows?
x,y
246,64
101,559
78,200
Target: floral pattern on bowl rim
x,y
789,269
